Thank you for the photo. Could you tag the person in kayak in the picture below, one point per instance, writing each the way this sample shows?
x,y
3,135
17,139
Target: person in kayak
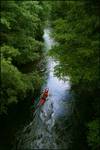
x,y
43,98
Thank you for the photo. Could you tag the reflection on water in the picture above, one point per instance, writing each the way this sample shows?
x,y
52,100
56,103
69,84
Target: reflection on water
x,y
41,134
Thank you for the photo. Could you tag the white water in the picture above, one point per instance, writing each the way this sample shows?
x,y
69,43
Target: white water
x,y
58,89
42,135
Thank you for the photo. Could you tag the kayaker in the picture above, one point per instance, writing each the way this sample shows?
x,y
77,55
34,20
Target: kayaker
x,y
45,93
43,98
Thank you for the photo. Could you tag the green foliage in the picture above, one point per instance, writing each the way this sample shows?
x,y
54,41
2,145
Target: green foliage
x,y
21,25
77,43
9,52
76,30
5,22
30,50
93,134
12,83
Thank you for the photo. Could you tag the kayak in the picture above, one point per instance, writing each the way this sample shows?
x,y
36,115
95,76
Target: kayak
x,y
41,101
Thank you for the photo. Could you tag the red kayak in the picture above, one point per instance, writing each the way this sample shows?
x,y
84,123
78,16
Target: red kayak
x,y
44,96
42,99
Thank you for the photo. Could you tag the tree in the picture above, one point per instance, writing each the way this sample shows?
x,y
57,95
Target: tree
x,y
21,44
76,30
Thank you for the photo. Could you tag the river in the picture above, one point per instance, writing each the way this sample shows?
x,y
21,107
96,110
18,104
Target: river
x,y
40,133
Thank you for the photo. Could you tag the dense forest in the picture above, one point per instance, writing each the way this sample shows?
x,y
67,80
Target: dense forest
x,y
76,27
21,44
76,30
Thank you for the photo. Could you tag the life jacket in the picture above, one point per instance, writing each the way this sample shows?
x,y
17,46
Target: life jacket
x,y
45,95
